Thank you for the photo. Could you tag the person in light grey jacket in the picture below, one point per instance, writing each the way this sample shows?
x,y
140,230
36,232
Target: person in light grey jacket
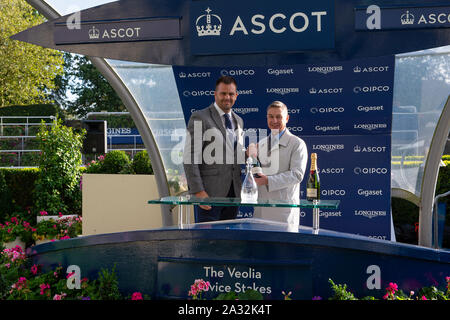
x,y
283,157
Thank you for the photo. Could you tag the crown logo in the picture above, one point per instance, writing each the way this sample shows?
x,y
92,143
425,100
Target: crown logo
x,y
94,33
312,90
356,148
407,18
208,24
182,75
356,69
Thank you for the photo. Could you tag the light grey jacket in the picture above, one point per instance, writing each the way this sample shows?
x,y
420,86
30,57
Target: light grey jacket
x,y
211,162
285,168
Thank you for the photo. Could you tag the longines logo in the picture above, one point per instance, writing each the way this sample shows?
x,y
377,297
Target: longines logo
x,y
325,70
208,24
370,213
328,147
282,91
245,110
370,126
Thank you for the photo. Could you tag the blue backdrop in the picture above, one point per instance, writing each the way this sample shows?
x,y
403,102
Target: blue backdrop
x,y
342,110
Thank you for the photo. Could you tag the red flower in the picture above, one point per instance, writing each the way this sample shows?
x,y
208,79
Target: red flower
x,y
136,296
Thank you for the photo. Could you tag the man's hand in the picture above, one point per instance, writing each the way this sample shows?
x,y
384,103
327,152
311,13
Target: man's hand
x,y
252,150
262,180
203,194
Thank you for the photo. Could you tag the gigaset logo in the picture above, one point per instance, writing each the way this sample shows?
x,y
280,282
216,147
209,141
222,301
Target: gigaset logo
x,y
279,72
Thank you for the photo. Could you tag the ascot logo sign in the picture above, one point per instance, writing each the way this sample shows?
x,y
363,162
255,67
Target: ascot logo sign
x,y
254,26
395,17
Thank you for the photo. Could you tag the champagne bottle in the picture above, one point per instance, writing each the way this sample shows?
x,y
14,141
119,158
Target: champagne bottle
x,y
313,184
256,168
249,191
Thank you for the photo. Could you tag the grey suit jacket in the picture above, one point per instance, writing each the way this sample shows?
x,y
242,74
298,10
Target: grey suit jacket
x,y
211,161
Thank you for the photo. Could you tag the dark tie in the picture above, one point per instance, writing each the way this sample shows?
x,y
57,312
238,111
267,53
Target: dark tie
x,y
228,121
230,128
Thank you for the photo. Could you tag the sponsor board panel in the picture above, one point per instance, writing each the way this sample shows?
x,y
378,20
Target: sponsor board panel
x,y
343,111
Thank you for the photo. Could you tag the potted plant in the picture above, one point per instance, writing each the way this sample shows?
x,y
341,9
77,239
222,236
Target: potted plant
x,y
65,227
15,232
46,230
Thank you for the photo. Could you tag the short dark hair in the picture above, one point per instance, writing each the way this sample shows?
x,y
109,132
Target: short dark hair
x,y
226,80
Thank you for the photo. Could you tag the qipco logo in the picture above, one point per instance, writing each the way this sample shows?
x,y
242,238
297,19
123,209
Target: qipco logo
x,y
198,93
372,171
238,72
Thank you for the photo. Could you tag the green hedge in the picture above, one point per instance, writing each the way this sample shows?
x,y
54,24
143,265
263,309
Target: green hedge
x,y
31,110
17,190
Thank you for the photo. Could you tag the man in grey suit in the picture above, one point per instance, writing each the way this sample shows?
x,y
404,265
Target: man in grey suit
x,y
283,158
214,151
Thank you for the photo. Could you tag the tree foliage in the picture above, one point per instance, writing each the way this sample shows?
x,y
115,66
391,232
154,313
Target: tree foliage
x,y
57,187
27,71
91,90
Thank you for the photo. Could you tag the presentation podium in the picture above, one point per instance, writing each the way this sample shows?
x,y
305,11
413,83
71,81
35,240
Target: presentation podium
x,y
184,203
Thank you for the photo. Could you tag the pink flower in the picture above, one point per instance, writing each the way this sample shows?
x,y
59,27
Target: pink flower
x,y
43,213
393,287
423,298
34,269
193,291
136,296
59,296
20,284
44,287
60,214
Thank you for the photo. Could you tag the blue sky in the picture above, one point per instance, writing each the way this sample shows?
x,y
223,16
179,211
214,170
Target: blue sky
x,y
65,7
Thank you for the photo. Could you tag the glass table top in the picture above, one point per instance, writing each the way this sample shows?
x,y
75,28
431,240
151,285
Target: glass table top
x,y
191,200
